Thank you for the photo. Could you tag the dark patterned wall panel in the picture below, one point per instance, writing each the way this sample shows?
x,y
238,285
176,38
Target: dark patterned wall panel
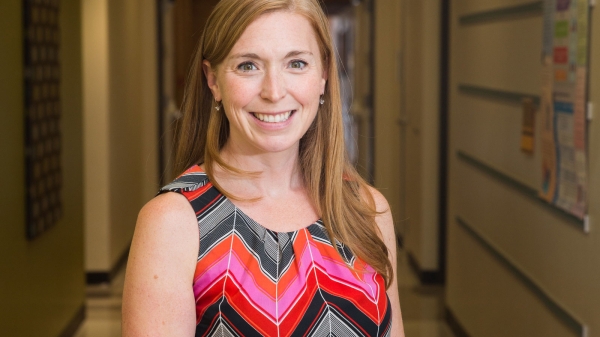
x,y
42,114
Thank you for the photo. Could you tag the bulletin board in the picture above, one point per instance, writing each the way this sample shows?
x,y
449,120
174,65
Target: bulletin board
x,y
563,105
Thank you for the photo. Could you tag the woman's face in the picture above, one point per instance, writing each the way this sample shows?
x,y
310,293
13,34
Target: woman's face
x,y
270,83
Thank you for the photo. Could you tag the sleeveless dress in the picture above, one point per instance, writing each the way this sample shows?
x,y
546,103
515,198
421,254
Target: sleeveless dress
x,y
252,281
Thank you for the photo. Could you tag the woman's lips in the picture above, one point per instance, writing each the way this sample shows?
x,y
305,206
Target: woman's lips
x,y
273,117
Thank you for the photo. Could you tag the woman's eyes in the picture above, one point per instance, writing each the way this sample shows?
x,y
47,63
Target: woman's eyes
x,y
298,64
247,66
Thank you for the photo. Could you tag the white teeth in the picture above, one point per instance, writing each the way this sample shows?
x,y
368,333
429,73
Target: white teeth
x,y
273,118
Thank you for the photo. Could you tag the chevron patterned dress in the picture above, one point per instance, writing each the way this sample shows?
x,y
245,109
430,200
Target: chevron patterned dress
x,y
252,281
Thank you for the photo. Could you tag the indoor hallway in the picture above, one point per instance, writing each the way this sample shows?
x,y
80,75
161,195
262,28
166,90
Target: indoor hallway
x,y
449,112
422,306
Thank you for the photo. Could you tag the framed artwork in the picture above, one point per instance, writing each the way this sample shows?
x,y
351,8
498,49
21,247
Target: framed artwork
x,y
41,47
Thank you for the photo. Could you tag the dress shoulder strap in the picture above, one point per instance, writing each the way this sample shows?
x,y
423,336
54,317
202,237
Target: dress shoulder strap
x,y
198,190
191,180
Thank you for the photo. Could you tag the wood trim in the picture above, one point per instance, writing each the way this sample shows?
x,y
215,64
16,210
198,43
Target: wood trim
x,y
99,277
427,277
568,319
529,9
522,188
74,323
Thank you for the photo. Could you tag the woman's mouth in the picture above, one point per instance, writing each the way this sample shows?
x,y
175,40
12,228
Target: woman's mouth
x,y
273,118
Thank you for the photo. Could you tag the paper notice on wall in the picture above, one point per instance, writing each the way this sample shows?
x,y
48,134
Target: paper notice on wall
x,y
579,206
563,106
528,126
579,116
548,147
567,177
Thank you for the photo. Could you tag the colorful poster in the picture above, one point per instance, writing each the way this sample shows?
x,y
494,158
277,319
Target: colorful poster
x,y
563,105
547,121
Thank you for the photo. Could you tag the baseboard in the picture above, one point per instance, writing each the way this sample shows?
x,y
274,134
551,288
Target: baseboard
x,y
107,277
400,241
74,323
457,329
97,277
425,276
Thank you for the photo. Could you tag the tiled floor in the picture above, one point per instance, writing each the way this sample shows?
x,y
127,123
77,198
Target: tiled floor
x,y
103,315
422,307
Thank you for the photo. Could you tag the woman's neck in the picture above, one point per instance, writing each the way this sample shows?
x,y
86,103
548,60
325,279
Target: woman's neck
x,y
277,172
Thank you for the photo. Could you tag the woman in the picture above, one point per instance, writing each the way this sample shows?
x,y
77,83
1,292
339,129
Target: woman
x,y
270,190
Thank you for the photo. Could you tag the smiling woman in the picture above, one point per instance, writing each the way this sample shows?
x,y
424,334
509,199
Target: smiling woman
x,y
270,231
269,84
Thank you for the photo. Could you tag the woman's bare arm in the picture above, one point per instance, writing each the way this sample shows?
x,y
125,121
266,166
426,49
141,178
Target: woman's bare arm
x,y
386,226
158,299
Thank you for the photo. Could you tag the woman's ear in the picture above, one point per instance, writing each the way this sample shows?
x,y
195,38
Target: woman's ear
x,y
211,79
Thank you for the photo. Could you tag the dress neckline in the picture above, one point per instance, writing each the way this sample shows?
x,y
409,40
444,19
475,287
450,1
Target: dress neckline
x,y
241,212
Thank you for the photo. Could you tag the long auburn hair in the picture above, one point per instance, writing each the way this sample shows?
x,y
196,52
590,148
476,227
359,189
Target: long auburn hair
x,y
339,193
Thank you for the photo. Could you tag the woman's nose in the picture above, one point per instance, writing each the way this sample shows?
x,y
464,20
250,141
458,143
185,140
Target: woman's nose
x,y
273,86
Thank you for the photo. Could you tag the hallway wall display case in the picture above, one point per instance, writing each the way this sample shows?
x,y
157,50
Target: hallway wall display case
x,y
42,115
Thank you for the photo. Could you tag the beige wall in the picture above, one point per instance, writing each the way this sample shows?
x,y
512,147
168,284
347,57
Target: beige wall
x,y
407,121
386,102
361,90
42,281
420,130
96,141
121,123
486,297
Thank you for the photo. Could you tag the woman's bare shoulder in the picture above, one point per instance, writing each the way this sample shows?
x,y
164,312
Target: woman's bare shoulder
x,y
381,203
167,222
384,215
160,269
166,207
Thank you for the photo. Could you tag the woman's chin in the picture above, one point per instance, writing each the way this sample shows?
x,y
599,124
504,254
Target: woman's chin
x,y
280,148
263,143
278,145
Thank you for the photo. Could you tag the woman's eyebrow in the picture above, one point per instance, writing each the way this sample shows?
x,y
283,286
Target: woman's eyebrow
x,y
297,52
245,55
256,57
